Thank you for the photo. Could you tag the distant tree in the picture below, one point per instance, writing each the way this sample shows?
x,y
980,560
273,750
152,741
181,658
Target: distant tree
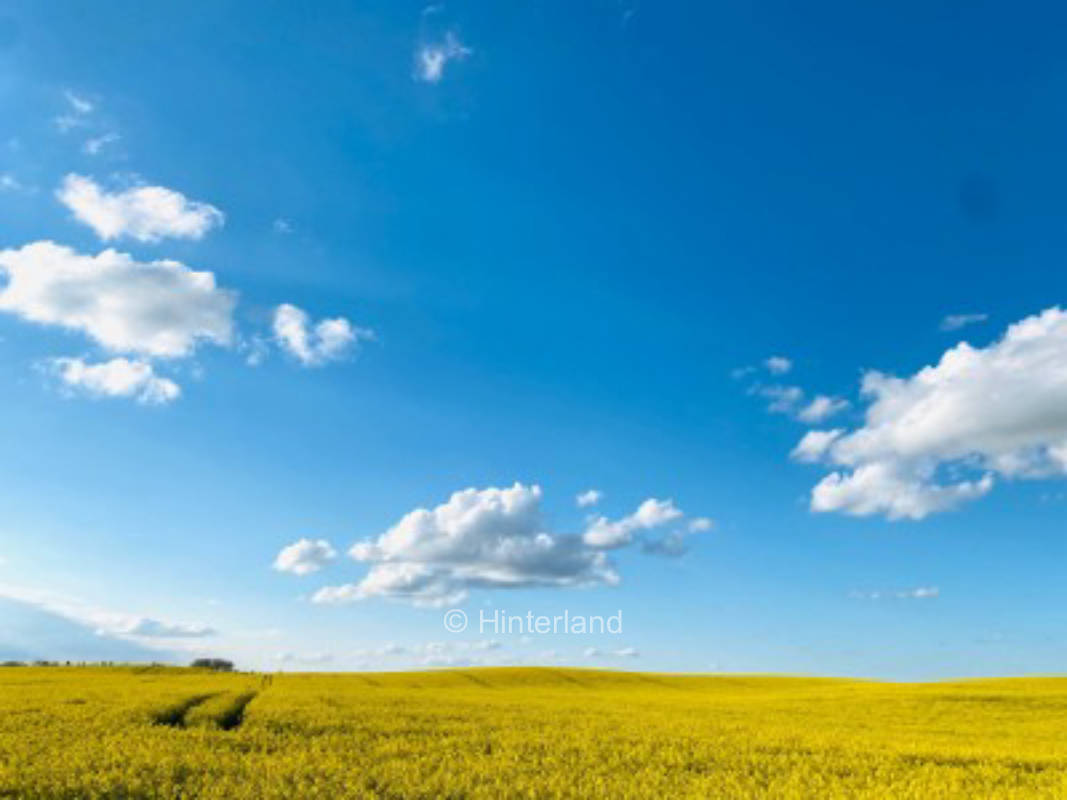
x,y
12,664
217,664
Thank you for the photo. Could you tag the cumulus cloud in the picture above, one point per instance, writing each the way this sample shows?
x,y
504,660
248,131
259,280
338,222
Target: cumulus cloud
x,y
305,556
119,377
939,438
155,308
144,213
821,407
431,59
479,538
953,322
778,365
315,344
9,183
814,445
589,498
605,534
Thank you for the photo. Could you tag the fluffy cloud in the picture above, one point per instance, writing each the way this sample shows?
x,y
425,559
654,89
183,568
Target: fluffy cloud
x,y
431,59
820,408
789,400
305,556
939,437
479,538
606,534
815,444
144,213
314,345
156,308
589,498
118,377
953,322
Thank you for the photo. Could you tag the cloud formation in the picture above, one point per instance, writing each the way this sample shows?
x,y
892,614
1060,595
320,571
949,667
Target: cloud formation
x,y
479,538
104,622
144,213
589,498
431,59
160,309
305,556
315,344
119,377
953,322
940,437
606,534
778,365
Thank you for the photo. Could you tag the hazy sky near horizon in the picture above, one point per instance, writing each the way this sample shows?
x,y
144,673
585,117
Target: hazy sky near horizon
x,y
740,319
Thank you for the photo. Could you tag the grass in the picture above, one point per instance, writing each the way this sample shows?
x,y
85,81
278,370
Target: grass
x,y
538,733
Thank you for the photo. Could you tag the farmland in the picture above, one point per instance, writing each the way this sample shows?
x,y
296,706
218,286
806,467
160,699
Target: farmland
x,y
75,732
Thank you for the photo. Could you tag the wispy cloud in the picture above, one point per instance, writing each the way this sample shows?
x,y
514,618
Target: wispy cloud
x,y
953,322
431,59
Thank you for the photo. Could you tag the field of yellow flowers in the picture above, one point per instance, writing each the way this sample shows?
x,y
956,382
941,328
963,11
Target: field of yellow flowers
x,y
141,732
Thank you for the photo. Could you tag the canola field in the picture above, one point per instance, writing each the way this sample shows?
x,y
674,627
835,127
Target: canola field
x,y
148,732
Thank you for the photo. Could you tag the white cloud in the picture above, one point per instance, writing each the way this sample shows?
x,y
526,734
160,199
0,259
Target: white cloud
x,y
312,659
783,399
815,444
431,59
155,308
314,345
918,593
589,498
671,544
479,538
79,108
144,213
95,144
820,408
652,513
281,225
622,652
938,438
778,365
119,377
700,524
305,556
953,322
104,622
78,103
9,183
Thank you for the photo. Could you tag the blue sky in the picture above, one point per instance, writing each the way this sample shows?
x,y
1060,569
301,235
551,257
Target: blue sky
x,y
468,246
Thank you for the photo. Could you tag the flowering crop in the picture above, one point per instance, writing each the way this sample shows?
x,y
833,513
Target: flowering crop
x,y
94,732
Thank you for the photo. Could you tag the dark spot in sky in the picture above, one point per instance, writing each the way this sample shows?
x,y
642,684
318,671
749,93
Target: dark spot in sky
x,y
9,33
979,198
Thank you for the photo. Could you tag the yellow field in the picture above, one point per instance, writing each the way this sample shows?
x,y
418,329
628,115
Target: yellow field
x,y
164,732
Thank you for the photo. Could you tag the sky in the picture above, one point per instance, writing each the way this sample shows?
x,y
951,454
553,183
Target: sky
x,y
738,322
